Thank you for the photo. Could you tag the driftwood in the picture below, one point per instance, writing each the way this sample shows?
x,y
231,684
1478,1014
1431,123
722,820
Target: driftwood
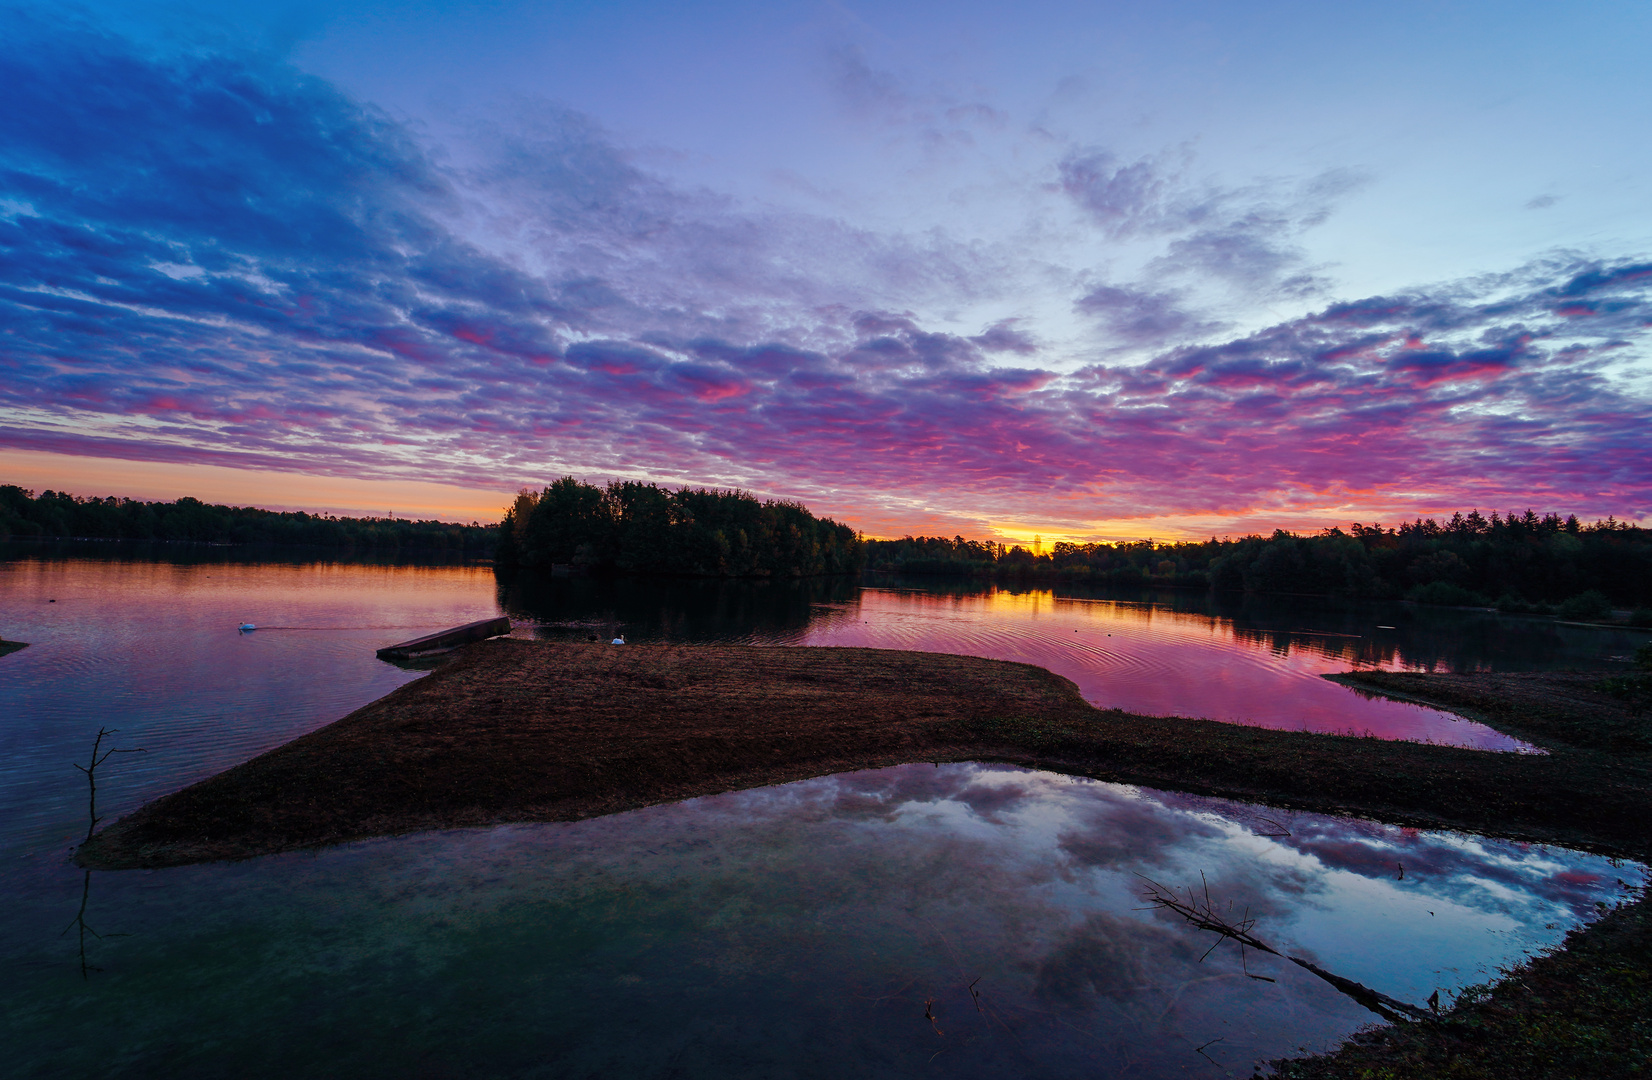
x,y
1204,916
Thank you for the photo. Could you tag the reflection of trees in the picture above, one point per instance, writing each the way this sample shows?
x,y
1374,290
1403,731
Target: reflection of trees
x,y
1518,559
675,609
1424,639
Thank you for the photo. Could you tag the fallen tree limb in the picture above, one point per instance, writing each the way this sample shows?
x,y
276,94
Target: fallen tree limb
x,y
1239,932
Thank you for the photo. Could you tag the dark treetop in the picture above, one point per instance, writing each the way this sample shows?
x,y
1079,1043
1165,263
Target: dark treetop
x,y
640,528
56,515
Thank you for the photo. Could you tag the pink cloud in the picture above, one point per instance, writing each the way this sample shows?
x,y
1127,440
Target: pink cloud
x,y
679,339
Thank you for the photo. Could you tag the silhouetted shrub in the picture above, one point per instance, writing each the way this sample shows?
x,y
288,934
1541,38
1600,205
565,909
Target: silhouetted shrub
x,y
1592,604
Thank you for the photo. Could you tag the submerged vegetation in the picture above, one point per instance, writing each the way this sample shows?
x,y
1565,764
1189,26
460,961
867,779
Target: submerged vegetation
x,y
1521,563
58,515
642,528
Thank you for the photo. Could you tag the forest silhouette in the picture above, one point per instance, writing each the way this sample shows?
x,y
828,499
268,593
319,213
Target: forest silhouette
x,y
633,527
54,515
1520,562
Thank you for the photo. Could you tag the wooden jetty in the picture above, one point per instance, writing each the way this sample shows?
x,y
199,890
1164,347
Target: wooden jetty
x,y
446,640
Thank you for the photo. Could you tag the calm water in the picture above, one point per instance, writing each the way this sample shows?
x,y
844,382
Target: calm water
x,y
791,931
802,930
1253,661
148,645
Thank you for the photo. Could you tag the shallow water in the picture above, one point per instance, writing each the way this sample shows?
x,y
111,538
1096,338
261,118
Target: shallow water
x,y
150,648
801,930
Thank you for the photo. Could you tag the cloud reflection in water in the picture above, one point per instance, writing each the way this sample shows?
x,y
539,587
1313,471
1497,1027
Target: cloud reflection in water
x,y
801,930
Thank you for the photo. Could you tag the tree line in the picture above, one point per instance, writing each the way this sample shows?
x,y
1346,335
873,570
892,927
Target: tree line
x,y
1519,562
635,527
57,515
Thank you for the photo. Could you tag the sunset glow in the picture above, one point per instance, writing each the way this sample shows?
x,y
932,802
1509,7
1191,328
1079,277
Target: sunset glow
x,y
1072,272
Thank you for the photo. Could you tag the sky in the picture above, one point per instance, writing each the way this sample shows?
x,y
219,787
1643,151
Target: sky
x,y
1081,271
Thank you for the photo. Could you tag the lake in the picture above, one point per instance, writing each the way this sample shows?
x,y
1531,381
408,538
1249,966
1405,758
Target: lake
x,y
796,930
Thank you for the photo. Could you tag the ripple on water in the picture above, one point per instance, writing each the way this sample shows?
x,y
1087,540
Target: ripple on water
x,y
152,650
1133,657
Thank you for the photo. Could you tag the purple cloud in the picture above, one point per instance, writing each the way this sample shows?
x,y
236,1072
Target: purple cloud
x,y
221,260
1136,316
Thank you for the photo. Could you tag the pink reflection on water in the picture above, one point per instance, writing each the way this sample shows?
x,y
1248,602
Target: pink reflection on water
x,y
1148,659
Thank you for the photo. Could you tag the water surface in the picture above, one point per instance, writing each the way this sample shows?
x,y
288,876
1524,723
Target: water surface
x,y
143,639
802,930
150,648
794,931
1244,660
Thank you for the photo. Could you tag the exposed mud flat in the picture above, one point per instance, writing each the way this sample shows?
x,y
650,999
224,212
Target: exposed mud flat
x,y
514,730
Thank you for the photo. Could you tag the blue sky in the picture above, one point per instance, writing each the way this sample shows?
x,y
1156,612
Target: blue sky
x,y
1058,268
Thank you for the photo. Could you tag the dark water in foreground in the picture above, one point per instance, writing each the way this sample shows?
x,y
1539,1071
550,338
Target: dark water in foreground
x,y
793,931
801,931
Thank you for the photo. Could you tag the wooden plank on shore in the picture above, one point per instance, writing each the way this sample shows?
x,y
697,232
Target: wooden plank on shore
x,y
430,644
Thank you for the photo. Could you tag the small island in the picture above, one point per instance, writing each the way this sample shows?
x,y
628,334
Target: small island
x,y
636,528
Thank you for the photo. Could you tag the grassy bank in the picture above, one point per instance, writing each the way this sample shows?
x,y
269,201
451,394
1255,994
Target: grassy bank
x,y
1563,710
526,731
1582,1010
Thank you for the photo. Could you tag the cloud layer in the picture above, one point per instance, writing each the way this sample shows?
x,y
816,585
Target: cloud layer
x,y
206,258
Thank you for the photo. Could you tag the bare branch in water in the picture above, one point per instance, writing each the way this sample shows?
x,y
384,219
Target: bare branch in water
x,y
91,776
1202,914
1282,830
80,921
99,756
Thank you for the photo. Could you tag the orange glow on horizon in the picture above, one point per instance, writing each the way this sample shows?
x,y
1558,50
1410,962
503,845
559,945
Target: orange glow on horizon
x,y
266,489
356,497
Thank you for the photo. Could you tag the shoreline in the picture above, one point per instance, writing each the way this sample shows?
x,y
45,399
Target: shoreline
x,y
510,730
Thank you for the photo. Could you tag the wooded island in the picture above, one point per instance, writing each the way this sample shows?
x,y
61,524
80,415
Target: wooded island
x,y
633,527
